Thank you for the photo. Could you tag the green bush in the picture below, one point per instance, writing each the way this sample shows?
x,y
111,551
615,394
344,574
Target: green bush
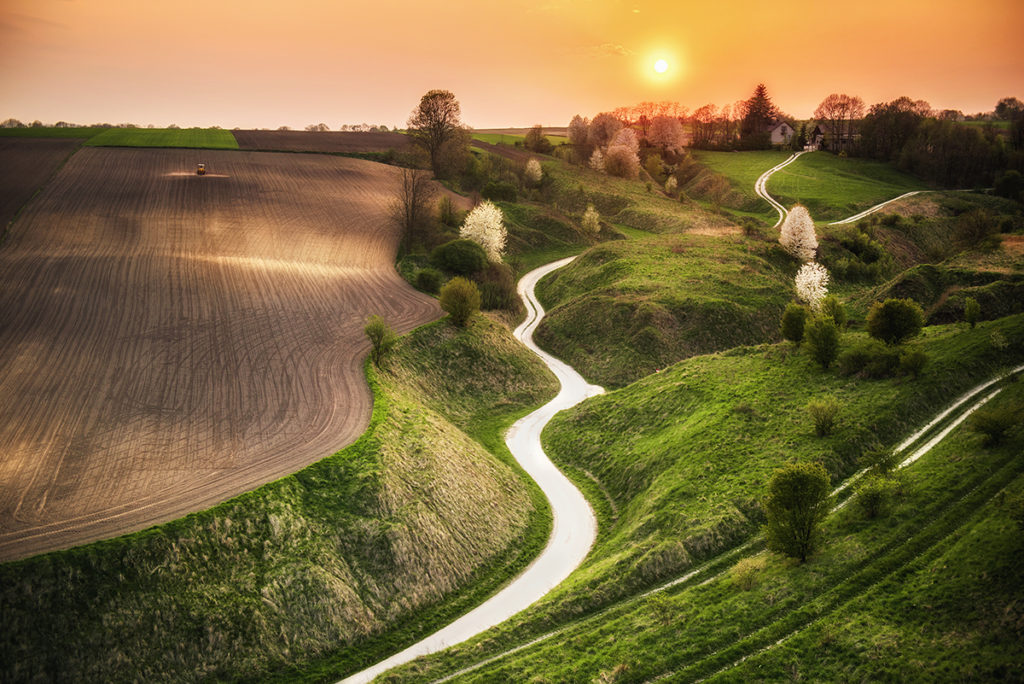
x,y
447,213
429,280
499,191
498,288
821,338
461,299
870,359
913,361
832,308
895,320
382,338
972,311
796,503
823,412
993,422
460,256
794,319
873,494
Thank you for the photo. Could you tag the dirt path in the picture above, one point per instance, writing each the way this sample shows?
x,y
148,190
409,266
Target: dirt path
x,y
174,340
872,210
761,187
575,527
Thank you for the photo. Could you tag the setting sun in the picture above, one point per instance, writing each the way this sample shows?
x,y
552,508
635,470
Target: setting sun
x,y
661,66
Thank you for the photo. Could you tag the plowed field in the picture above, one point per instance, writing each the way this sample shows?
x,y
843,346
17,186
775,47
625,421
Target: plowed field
x,y
169,340
25,164
321,141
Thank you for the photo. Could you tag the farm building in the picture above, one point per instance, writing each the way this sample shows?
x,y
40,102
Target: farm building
x,y
781,133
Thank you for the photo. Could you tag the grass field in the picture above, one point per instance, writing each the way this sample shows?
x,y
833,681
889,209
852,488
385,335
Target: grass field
x,y
742,170
834,188
274,582
681,458
507,139
209,138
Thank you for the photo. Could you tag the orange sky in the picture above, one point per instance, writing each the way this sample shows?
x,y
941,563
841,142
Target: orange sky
x,y
263,63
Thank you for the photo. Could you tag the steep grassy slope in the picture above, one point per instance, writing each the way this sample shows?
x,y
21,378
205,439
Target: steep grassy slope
x,y
677,464
411,524
625,309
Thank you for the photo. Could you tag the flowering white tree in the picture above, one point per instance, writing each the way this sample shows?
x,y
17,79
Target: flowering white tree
x,y
591,221
812,285
533,172
626,137
666,132
671,184
485,226
597,161
622,161
798,236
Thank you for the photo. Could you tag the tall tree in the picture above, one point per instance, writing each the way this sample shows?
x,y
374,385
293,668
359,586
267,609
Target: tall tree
x,y
759,115
435,122
839,111
603,128
410,207
1009,108
887,128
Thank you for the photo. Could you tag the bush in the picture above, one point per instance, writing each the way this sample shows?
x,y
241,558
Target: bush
x,y
382,338
429,280
745,572
832,308
895,320
499,191
972,311
873,493
1010,184
460,256
881,461
591,222
823,412
992,423
794,318
796,503
498,288
913,361
461,299
821,338
620,160
870,359
447,213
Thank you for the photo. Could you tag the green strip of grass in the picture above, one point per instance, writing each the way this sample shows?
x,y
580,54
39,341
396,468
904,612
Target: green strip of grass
x,y
511,140
322,572
834,188
208,138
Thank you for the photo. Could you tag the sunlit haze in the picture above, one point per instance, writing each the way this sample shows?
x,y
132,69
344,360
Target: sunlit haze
x,y
265,64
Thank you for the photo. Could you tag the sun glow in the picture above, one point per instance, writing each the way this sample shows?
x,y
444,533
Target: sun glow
x,y
661,66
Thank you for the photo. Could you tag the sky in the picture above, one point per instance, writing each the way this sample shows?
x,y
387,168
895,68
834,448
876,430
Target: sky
x,y
514,63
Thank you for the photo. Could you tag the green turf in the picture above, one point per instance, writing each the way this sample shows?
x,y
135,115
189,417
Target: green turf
x,y
209,138
683,455
742,169
833,187
319,573
50,132
511,140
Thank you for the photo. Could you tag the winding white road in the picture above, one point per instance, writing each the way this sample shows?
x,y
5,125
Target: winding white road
x,y
760,187
575,526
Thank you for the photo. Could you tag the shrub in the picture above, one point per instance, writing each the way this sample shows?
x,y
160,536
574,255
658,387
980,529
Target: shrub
x,y
461,299
832,308
429,280
797,235
745,573
913,361
533,173
382,338
499,191
591,222
972,311
621,161
873,493
796,503
671,185
498,288
794,318
1010,184
880,460
597,161
446,211
895,320
485,225
993,422
811,284
870,359
823,412
460,256
821,337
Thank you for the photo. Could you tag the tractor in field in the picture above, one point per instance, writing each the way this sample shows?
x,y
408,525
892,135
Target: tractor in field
x,y
201,170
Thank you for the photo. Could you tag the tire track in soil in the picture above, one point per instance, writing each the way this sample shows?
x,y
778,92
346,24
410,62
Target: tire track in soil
x,y
174,340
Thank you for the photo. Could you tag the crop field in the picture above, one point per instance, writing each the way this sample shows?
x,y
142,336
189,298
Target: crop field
x,y
24,167
212,138
338,142
173,339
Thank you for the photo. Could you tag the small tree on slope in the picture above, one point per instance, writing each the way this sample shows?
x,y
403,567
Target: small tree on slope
x,y
811,285
796,504
798,236
485,226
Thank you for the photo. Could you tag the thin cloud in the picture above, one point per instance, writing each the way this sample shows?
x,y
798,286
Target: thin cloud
x,y
612,49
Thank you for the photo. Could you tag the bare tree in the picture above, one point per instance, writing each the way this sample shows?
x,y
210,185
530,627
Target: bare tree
x,y
410,209
434,122
839,111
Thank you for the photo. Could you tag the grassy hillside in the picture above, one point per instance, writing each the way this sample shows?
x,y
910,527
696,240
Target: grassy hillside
x,y
409,526
213,138
833,187
625,309
727,179
678,462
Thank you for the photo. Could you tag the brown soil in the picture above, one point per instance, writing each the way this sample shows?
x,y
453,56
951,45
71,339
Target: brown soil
x,y
25,164
1013,243
321,141
169,340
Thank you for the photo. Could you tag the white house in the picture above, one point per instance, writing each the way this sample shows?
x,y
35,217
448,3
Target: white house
x,y
781,133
